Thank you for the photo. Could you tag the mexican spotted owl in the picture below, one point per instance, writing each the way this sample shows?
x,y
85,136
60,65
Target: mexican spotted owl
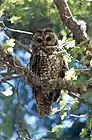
x,y
48,66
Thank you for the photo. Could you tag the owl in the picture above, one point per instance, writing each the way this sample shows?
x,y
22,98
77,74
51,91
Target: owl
x,y
46,64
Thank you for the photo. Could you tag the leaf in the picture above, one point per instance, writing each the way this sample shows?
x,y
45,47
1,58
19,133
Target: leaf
x,y
75,105
1,12
91,136
62,105
63,116
71,74
83,133
55,129
9,45
89,124
15,19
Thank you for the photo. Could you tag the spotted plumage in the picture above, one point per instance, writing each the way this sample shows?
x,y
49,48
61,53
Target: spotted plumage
x,y
48,66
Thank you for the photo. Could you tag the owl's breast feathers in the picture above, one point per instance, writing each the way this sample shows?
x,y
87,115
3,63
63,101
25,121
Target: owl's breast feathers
x,y
47,67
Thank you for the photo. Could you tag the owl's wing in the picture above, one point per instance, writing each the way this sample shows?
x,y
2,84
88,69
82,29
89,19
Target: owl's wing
x,y
34,63
63,68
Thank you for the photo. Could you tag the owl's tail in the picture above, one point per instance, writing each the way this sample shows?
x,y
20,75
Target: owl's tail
x,y
44,102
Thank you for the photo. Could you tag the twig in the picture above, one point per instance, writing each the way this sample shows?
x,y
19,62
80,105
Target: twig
x,y
79,116
19,68
19,135
9,78
4,74
13,30
84,72
81,99
18,45
20,111
16,91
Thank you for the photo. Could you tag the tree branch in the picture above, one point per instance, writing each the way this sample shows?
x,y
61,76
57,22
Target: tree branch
x,y
18,67
34,80
78,28
9,78
13,30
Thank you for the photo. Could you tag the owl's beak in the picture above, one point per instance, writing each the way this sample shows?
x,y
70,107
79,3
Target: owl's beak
x,y
44,43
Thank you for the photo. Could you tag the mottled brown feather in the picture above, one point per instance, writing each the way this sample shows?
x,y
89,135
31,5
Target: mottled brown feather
x,y
45,63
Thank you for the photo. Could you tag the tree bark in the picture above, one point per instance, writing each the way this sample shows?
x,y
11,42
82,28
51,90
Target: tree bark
x,y
78,28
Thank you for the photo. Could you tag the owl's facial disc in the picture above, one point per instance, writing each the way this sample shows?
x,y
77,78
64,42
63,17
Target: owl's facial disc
x,y
48,38
39,40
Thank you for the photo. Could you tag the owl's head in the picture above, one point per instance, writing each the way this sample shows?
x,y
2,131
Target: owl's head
x,y
44,39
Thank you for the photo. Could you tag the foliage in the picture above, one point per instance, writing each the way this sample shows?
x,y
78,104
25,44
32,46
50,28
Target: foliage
x,y
33,14
87,130
82,11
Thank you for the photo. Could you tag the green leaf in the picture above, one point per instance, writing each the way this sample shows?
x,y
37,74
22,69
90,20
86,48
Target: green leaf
x,y
89,124
63,115
15,19
83,133
10,44
60,126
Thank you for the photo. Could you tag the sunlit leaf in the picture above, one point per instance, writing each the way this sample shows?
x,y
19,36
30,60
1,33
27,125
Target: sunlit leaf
x,y
63,115
83,133
60,126
15,19
71,74
10,44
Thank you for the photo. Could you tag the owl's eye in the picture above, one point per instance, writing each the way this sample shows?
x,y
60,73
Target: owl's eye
x,y
39,40
48,38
